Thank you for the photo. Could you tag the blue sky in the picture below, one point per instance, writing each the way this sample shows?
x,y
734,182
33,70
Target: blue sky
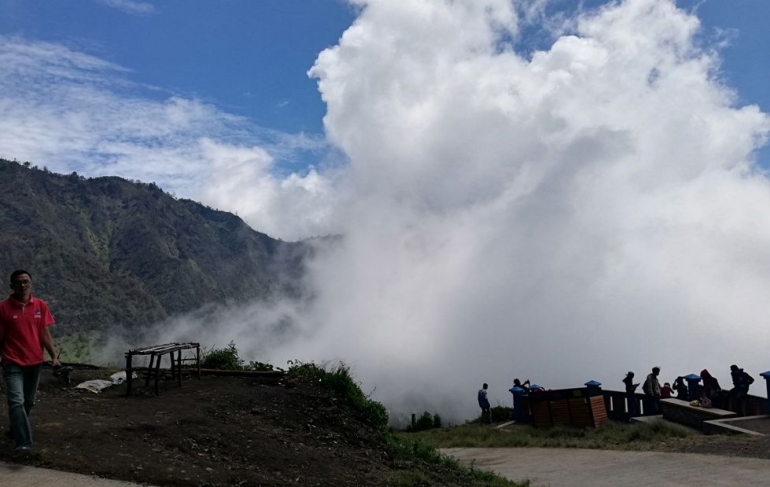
x,y
250,58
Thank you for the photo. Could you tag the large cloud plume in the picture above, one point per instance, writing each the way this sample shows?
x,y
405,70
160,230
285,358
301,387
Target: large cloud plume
x,y
590,209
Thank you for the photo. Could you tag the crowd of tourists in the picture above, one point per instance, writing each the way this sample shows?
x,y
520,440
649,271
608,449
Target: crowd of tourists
x,y
703,396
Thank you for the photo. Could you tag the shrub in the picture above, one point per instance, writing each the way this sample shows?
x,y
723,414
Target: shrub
x,y
222,358
260,366
425,422
228,359
501,414
339,380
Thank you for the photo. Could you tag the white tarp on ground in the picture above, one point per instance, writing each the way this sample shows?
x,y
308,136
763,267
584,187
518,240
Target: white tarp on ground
x,y
98,385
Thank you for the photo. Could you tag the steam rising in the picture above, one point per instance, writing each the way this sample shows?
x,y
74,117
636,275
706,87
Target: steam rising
x,y
571,215
559,215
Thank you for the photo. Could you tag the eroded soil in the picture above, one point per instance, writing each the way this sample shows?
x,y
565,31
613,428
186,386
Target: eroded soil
x,y
216,431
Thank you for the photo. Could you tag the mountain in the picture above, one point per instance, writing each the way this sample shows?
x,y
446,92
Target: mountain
x,y
108,252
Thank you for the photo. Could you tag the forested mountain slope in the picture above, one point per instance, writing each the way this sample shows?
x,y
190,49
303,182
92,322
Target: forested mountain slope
x,y
108,252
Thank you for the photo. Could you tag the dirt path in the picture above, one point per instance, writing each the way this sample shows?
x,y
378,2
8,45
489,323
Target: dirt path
x,y
23,476
557,467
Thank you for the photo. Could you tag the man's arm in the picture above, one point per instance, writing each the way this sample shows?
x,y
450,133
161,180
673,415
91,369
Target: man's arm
x,y
48,345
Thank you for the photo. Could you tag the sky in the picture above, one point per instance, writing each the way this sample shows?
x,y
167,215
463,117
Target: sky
x,y
561,191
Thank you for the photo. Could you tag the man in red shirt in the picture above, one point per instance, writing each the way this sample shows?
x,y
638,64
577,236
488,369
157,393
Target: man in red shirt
x,y
24,322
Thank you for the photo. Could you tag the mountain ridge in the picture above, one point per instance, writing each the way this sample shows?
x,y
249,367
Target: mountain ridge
x,y
106,252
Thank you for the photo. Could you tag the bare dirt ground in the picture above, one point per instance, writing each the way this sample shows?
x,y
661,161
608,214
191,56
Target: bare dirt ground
x,y
217,431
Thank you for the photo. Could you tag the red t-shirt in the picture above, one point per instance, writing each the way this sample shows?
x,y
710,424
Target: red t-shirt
x,y
21,329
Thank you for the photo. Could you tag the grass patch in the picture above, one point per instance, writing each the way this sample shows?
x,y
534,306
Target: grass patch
x,y
611,435
409,454
339,380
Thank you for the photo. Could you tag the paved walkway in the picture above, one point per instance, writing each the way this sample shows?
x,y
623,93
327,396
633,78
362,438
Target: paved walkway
x,y
21,476
564,467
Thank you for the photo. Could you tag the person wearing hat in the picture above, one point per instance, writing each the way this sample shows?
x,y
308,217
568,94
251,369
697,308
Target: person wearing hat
x,y
652,388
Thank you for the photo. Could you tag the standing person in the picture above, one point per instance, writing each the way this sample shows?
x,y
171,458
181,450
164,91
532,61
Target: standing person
x,y
681,388
24,322
652,388
525,385
711,388
633,402
486,413
741,383
665,391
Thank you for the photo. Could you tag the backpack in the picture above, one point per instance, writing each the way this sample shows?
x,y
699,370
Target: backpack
x,y
647,387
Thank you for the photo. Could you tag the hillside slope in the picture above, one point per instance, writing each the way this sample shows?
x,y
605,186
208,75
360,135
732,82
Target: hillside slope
x,y
229,431
108,252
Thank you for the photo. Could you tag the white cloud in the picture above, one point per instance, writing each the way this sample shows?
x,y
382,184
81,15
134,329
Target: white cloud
x,y
129,6
73,112
591,209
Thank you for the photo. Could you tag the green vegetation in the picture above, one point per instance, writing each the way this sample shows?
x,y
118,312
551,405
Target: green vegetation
x,y
78,347
339,380
228,359
500,414
425,422
611,435
409,453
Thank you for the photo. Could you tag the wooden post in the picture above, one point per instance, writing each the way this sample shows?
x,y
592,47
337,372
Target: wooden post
x,y
173,364
157,376
198,359
149,370
179,368
129,373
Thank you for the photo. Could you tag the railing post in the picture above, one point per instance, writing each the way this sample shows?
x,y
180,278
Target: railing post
x,y
692,385
766,375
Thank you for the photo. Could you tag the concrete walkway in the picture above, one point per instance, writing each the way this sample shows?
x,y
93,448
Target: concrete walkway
x,y
22,476
564,467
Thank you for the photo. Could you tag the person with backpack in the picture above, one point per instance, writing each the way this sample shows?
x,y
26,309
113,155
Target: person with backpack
x,y
486,412
741,382
651,388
